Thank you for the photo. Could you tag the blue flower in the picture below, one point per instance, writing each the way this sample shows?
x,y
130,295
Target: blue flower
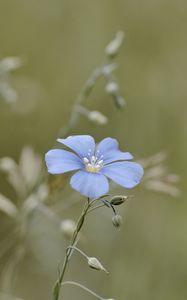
x,y
94,165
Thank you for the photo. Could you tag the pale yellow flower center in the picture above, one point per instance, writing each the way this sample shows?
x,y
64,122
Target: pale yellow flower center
x,y
93,165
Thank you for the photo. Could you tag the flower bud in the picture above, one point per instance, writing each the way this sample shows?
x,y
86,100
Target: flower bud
x,y
68,227
8,93
95,264
113,47
112,88
97,117
119,199
117,220
10,63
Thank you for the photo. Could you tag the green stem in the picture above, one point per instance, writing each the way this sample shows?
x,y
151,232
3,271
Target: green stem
x,y
78,250
84,288
96,207
57,287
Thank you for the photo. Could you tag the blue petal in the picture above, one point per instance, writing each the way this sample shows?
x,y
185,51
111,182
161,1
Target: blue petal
x,y
127,174
80,144
109,149
108,144
91,185
60,161
116,155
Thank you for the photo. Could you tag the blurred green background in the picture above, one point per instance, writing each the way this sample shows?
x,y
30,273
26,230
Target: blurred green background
x,y
61,42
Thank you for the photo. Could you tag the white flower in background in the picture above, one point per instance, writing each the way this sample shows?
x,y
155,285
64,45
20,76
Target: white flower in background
x,y
25,177
25,174
7,65
157,177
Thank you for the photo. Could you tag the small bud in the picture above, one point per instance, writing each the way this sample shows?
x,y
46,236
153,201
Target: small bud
x,y
10,63
95,264
97,117
117,220
114,46
68,227
112,88
117,200
8,93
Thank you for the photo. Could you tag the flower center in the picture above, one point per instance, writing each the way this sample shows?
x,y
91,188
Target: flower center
x,y
93,164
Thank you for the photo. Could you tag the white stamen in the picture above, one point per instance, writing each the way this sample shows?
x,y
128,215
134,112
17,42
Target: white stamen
x,y
93,164
93,159
100,162
86,160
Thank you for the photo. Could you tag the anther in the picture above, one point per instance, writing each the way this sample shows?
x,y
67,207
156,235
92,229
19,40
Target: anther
x,y
86,160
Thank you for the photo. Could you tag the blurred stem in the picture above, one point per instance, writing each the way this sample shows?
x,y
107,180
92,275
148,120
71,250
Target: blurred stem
x,y
80,222
11,268
86,90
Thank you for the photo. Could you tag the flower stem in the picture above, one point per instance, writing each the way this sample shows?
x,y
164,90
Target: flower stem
x,y
78,250
84,288
96,207
80,222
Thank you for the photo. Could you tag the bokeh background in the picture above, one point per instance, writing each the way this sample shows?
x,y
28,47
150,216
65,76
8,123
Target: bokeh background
x,y
61,42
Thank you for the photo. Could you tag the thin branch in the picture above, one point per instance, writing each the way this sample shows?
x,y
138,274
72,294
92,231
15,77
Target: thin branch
x,y
78,250
84,288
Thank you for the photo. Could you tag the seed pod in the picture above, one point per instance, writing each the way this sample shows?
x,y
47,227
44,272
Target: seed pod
x,y
114,46
97,117
118,199
112,88
117,220
95,264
